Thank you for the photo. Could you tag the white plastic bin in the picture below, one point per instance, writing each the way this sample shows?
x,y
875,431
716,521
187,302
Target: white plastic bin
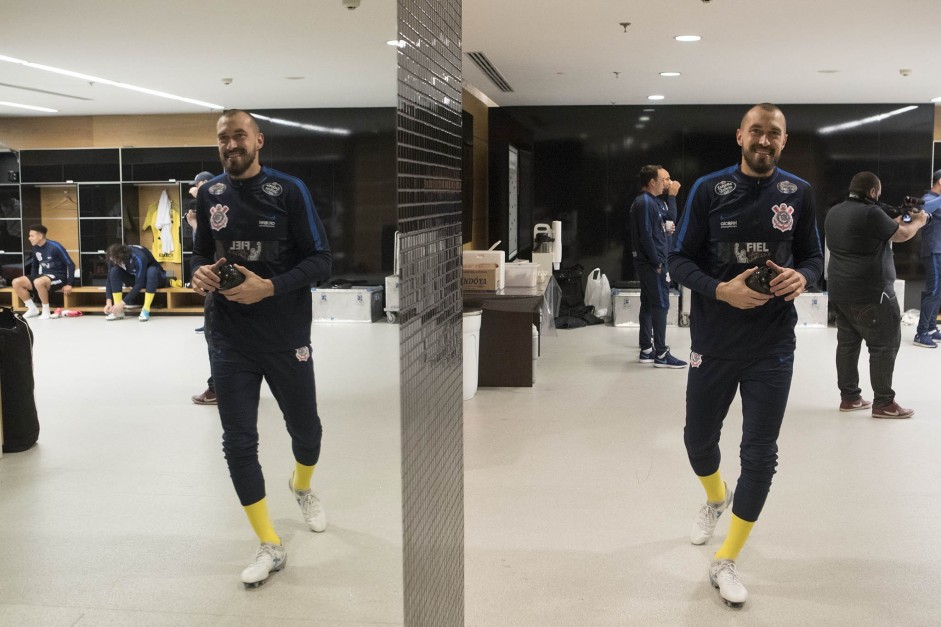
x,y
471,351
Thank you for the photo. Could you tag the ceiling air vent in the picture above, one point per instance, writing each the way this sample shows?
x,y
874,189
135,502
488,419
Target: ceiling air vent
x,y
481,61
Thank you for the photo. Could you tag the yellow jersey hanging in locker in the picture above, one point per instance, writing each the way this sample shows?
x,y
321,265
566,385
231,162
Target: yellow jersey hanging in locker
x,y
163,218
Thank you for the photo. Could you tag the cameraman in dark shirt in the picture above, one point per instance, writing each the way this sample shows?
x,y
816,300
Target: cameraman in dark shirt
x,y
861,277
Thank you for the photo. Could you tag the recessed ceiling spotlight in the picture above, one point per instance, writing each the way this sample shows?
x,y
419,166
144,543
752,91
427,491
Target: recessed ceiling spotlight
x,y
638,126
687,38
649,110
644,118
669,74
656,97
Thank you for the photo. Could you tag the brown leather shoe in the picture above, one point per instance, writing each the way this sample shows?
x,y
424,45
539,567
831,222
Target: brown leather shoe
x,y
854,405
206,398
892,410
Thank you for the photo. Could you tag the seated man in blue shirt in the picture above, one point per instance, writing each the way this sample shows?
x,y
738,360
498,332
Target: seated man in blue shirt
x,y
50,270
135,266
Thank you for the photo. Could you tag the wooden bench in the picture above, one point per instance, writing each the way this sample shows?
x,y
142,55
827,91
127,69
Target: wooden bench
x,y
91,299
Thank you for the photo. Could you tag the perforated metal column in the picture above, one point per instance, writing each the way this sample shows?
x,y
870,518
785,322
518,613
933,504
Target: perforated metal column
x,y
429,220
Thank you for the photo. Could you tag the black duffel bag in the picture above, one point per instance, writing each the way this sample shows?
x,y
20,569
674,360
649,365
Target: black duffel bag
x,y
20,421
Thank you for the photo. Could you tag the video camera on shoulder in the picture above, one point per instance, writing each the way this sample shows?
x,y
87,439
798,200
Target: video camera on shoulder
x,y
910,205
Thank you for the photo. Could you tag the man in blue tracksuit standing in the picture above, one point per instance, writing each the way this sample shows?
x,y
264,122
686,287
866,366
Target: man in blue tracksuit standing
x,y
927,331
264,223
736,220
649,239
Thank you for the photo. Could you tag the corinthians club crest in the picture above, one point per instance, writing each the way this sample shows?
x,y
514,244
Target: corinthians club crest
x,y
783,219
218,219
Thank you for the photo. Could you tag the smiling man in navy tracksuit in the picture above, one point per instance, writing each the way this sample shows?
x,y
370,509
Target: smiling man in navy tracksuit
x,y
264,222
737,219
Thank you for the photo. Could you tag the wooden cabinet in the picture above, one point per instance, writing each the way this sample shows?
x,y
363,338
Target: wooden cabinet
x,y
94,197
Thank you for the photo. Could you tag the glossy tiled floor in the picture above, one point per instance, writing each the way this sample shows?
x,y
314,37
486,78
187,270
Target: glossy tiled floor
x,y
578,494
124,513
579,497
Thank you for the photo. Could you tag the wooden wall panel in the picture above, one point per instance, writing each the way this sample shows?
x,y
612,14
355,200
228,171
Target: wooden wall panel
x,y
479,109
155,130
109,131
59,213
47,132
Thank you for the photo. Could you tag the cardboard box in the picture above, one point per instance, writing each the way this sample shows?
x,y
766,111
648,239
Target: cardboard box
x,y
521,274
352,304
480,278
812,309
477,258
625,304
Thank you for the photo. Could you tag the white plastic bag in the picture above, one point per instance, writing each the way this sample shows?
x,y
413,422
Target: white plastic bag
x,y
598,293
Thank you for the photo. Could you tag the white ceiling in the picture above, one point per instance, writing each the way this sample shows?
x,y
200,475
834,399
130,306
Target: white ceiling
x,y
552,52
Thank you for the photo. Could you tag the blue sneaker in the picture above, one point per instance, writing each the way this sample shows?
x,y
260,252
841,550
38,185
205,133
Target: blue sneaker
x,y
646,357
936,335
924,340
144,316
666,360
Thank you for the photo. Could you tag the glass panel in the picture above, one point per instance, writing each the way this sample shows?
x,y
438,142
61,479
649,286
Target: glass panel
x,y
40,166
94,269
11,266
99,201
164,164
9,167
10,201
96,234
11,236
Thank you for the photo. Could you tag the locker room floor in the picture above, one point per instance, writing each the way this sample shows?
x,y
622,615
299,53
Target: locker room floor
x,y
578,495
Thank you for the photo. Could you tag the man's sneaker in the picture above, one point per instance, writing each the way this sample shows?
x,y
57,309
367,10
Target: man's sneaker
x,y
270,558
708,517
646,357
45,316
724,578
666,360
31,313
936,335
111,317
892,410
854,405
311,508
206,398
924,340
144,316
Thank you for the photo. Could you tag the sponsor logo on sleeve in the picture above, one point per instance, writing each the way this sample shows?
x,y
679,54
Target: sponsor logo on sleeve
x,y
783,219
217,189
787,187
272,189
302,353
724,188
218,219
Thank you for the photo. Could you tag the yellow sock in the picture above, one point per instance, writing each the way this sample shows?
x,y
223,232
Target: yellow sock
x,y
117,298
302,475
715,488
148,299
261,522
738,534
